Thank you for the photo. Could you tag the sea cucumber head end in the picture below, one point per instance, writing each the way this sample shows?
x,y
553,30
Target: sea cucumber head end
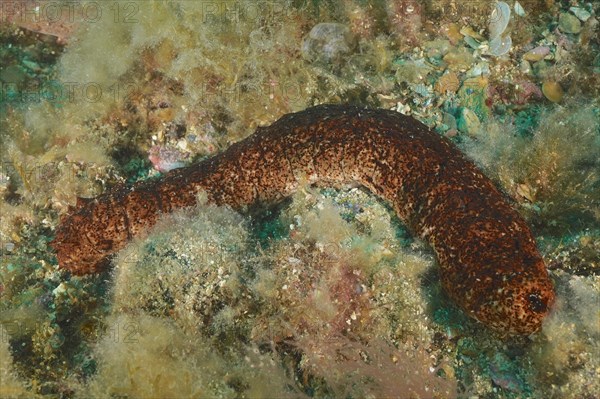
x,y
521,304
532,305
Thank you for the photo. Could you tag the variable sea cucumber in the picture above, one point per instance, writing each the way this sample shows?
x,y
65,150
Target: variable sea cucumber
x,y
488,258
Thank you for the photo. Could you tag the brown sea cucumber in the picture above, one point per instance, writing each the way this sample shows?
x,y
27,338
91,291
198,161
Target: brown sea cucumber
x,y
488,257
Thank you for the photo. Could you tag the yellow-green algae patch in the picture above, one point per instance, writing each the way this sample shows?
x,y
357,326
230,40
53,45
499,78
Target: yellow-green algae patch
x,y
554,172
190,273
142,356
11,385
325,287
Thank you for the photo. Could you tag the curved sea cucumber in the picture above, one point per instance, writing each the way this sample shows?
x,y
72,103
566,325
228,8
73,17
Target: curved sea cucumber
x,y
489,263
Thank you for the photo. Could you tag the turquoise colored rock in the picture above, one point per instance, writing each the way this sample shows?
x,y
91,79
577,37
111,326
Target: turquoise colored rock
x,y
473,95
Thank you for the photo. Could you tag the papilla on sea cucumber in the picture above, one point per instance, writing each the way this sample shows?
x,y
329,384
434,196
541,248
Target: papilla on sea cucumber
x,y
489,263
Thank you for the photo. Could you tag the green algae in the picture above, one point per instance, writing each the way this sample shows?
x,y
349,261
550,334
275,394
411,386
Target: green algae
x,y
137,169
473,97
527,121
28,69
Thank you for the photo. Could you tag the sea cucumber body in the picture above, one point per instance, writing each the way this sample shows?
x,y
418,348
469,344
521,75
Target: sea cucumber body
x,y
489,263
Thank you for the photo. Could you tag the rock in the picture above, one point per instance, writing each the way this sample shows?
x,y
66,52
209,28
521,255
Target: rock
x,y
451,133
328,42
473,94
467,31
519,10
525,67
447,83
437,48
552,91
468,122
452,32
32,66
540,68
459,59
525,91
474,44
449,120
476,83
481,68
412,71
581,13
569,23
537,53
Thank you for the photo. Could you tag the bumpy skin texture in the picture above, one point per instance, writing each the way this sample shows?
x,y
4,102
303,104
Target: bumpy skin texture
x,y
488,258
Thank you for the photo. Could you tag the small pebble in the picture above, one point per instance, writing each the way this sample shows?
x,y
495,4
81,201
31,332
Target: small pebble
x,y
519,10
537,53
552,91
524,91
4,181
503,373
474,44
468,122
585,241
569,23
165,159
182,144
459,58
447,83
540,68
478,69
453,34
412,71
451,133
581,13
525,191
449,120
32,66
478,82
192,138
437,48
467,31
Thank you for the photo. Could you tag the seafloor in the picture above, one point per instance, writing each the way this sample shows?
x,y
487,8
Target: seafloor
x,y
326,295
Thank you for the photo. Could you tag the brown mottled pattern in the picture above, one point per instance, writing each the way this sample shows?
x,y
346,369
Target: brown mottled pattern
x,y
488,258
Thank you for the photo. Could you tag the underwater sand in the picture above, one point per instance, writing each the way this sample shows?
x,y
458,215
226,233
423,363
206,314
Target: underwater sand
x,y
326,295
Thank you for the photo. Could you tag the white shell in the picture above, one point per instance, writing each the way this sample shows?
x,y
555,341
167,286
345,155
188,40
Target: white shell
x,y
519,10
328,42
499,19
500,45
